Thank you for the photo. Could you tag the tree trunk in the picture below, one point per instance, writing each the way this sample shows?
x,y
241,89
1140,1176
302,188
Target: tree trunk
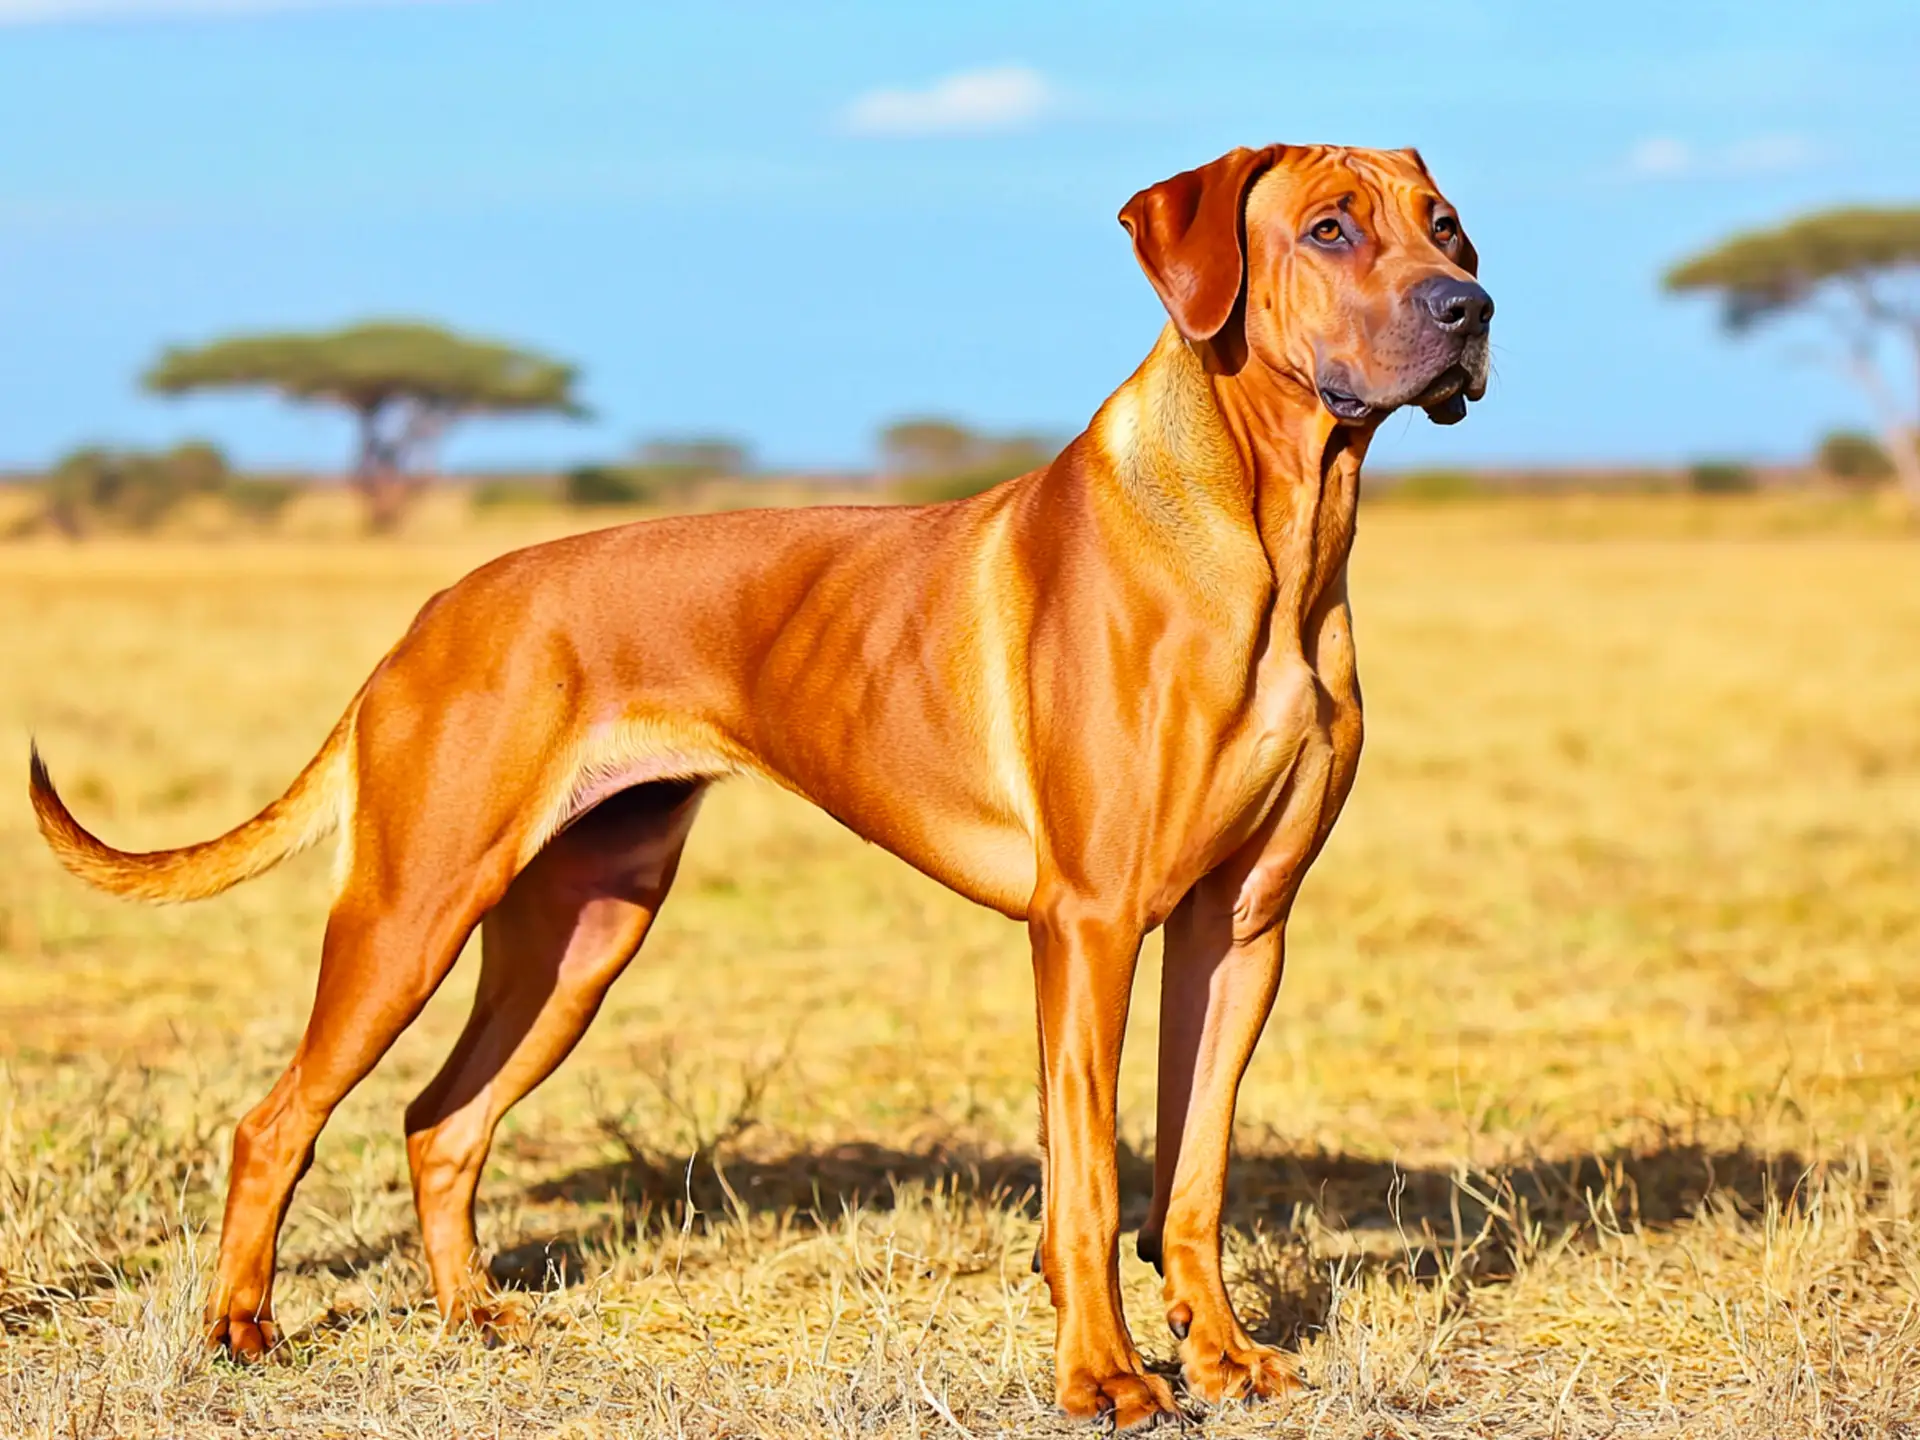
x,y
1906,462
1902,439
383,484
387,494
416,447
1906,458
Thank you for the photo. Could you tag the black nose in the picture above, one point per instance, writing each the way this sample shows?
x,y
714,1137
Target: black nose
x,y
1459,307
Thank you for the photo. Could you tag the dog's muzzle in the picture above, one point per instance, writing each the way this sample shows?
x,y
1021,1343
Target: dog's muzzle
x,y
1445,399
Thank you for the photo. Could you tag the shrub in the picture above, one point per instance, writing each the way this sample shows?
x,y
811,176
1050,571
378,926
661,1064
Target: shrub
x,y
1720,477
101,488
195,467
696,457
513,491
260,498
929,445
591,486
1438,485
1853,457
959,484
935,460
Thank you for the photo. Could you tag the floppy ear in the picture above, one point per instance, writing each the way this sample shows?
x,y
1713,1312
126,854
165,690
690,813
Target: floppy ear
x,y
1189,236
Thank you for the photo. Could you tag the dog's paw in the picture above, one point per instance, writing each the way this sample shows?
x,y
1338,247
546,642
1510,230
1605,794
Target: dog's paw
x,y
498,1320
1124,1401
1215,1372
243,1339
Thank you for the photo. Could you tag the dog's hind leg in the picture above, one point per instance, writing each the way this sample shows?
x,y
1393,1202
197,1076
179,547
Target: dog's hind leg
x,y
564,931
432,845
382,959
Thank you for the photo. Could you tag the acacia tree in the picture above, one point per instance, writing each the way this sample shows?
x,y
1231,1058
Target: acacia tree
x,y
925,445
1859,270
955,458
404,382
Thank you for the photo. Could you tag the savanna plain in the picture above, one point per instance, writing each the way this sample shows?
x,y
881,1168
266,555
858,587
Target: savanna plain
x,y
1588,1107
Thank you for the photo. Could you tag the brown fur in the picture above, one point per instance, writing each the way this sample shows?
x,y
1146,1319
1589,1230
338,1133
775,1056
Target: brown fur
x,y
312,808
1113,694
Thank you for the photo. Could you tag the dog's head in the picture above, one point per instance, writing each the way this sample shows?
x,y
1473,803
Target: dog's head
x,y
1345,271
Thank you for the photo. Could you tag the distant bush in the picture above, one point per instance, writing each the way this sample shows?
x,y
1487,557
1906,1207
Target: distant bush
x,y
260,498
696,457
197,467
931,459
1853,457
1438,485
593,486
98,488
665,479
932,489
506,492
1720,477
929,445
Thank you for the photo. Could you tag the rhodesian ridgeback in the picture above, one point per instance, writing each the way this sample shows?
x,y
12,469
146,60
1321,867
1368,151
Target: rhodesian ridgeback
x,y
1114,694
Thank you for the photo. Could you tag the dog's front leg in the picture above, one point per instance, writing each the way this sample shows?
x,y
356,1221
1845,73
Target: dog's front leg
x,y
1215,995
1083,964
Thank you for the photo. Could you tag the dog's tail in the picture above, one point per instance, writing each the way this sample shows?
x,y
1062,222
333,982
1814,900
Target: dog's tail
x,y
312,807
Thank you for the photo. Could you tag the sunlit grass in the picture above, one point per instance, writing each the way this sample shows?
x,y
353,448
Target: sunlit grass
x,y
1589,1104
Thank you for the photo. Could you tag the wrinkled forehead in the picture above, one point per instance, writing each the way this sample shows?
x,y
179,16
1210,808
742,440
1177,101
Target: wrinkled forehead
x,y
1373,186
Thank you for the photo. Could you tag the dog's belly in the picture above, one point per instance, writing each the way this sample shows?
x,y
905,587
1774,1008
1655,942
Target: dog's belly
x,y
925,813
948,831
991,864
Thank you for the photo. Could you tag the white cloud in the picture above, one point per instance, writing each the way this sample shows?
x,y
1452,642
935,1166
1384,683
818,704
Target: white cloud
x,y
970,102
1764,153
54,12
1661,157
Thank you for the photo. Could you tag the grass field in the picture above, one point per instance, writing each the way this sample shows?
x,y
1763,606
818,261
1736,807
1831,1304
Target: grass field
x,y
1589,1107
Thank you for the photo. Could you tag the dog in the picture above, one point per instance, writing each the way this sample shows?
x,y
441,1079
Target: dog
x,y
1113,694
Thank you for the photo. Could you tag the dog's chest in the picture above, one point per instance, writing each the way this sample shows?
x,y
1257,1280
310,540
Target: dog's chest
x,y
1283,712
1301,676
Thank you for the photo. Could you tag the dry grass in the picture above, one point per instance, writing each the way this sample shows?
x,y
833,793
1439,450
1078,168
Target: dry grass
x,y
1589,1107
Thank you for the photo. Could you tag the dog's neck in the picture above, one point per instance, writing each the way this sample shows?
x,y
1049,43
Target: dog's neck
x,y
1192,449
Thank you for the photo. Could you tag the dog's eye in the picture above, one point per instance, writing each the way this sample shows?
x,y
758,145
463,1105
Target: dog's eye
x,y
1445,227
1328,232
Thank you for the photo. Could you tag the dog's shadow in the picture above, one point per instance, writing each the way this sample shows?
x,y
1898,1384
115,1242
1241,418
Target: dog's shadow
x,y
1429,1225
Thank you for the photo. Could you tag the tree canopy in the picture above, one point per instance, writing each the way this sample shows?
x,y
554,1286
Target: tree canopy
x,y
370,365
1761,272
1857,268
405,382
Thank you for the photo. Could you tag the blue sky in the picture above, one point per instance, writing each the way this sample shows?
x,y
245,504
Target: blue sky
x,y
794,222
